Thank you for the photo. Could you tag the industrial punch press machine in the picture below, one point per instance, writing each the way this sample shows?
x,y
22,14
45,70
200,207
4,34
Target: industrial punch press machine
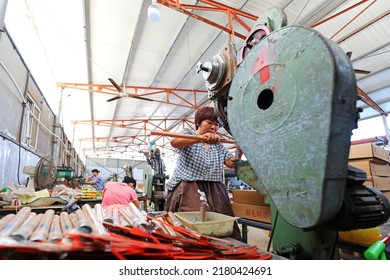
x,y
290,104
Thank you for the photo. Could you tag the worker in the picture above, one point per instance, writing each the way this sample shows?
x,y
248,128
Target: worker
x,y
198,176
120,193
95,180
132,182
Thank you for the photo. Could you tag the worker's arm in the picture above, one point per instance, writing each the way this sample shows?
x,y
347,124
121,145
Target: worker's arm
x,y
208,138
87,181
136,203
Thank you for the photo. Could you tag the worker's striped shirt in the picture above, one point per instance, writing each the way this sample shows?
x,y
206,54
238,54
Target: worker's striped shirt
x,y
195,163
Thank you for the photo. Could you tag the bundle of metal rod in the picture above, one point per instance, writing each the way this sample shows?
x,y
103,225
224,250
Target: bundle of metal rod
x,y
55,233
98,211
27,227
129,217
107,215
74,220
5,220
134,209
122,221
16,221
166,229
175,221
158,225
111,215
65,222
155,214
83,223
42,231
115,216
134,220
97,225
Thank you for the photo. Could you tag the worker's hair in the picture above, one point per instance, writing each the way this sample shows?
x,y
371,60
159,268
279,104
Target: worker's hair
x,y
205,113
128,179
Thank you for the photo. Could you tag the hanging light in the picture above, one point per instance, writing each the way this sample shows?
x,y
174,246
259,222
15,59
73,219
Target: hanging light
x,y
154,12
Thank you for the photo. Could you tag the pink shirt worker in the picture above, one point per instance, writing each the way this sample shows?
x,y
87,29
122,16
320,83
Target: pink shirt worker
x,y
120,193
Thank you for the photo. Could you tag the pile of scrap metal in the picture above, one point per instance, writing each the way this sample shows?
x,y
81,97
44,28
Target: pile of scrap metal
x,y
115,232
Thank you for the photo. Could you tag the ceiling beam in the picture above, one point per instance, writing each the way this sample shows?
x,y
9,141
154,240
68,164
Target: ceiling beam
x,y
366,99
125,123
335,4
361,28
232,13
87,28
165,94
129,148
114,139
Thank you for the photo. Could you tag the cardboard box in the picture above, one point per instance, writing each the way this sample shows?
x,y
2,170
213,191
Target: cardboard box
x,y
372,167
252,212
381,183
368,150
252,197
380,168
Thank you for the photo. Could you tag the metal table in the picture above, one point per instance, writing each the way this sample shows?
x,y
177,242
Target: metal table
x,y
245,223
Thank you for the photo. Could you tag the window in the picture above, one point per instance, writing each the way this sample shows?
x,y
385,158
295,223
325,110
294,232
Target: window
x,y
32,116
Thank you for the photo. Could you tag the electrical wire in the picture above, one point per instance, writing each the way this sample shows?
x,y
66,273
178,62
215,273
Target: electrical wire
x,y
304,7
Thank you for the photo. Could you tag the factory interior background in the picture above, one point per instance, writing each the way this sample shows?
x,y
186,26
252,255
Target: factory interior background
x,y
90,84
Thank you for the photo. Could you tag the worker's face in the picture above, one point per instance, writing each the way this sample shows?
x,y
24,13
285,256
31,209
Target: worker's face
x,y
208,126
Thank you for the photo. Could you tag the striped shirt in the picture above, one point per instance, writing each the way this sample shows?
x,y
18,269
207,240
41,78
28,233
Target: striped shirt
x,y
195,163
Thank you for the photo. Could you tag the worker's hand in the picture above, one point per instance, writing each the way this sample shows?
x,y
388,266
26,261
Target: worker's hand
x,y
212,138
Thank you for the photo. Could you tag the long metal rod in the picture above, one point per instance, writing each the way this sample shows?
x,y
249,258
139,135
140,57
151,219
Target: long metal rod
x,y
186,136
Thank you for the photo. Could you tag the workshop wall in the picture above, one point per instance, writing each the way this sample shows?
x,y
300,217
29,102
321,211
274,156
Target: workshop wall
x,y
27,123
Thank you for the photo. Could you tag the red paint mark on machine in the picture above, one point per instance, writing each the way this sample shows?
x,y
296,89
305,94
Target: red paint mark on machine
x,y
261,66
